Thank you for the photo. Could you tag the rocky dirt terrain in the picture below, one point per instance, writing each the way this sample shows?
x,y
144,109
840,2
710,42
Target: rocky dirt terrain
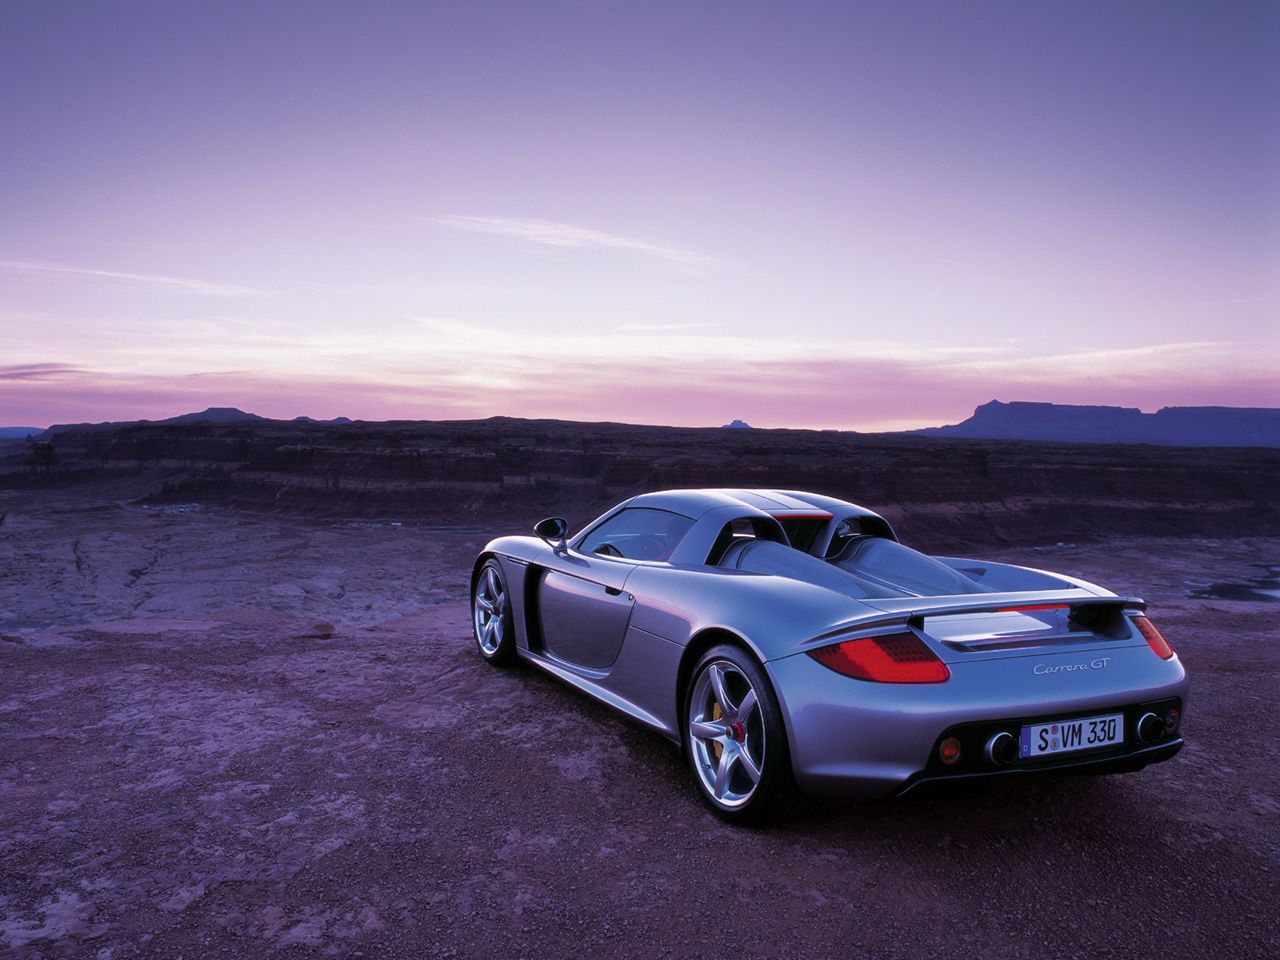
x,y
229,733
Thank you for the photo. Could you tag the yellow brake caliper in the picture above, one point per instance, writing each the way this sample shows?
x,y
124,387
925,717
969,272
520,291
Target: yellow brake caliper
x,y
715,715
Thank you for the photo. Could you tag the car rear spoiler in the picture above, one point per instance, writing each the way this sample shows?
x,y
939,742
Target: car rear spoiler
x,y
1087,609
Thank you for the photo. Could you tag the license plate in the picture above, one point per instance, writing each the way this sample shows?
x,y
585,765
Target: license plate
x,y
1067,736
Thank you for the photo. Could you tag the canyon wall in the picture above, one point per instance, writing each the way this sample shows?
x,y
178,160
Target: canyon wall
x,y
505,473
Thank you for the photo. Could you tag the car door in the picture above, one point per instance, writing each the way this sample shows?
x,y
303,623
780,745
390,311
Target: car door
x,y
584,607
583,604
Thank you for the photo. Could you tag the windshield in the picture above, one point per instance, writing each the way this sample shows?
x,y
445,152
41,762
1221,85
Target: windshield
x,y
890,563
637,533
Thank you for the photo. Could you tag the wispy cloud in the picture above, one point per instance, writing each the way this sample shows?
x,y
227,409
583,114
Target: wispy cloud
x,y
1157,358
38,371
178,283
552,233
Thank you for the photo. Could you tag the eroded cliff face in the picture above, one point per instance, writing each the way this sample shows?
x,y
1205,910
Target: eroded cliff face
x,y
941,494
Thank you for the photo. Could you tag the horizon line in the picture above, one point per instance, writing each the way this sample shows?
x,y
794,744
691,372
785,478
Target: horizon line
x,y
249,415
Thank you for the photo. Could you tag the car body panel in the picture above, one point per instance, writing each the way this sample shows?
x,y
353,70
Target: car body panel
x,y
637,682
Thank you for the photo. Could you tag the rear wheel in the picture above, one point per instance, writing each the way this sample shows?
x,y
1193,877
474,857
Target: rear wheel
x,y
491,617
735,740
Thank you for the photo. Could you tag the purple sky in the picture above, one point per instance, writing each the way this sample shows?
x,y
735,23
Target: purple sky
x,y
824,215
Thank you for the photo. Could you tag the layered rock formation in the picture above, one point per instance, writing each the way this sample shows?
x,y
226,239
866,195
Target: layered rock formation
x,y
505,473
1179,426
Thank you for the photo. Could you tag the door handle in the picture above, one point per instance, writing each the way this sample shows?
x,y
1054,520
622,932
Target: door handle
x,y
613,591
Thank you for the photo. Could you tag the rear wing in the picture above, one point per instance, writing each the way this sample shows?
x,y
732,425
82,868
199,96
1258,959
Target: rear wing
x,y
1088,610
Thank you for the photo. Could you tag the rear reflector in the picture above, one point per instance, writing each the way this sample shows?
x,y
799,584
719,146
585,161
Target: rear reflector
x,y
949,751
1154,640
895,658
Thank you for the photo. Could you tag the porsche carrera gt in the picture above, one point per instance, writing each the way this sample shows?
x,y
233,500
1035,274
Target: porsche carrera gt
x,y
790,645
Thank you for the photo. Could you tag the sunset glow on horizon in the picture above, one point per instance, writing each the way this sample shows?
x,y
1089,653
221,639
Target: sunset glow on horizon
x,y
831,216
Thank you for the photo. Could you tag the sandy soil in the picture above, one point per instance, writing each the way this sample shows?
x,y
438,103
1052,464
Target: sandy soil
x,y
229,735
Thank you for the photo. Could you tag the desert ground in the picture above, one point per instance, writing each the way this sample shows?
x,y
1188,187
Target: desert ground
x,y
229,733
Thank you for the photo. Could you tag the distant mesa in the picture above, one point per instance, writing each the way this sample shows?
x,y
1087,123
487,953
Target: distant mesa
x,y
737,425
235,415
1170,426
209,415
337,420
215,415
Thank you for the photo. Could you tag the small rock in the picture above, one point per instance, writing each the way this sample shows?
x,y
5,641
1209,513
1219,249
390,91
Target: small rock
x,y
320,630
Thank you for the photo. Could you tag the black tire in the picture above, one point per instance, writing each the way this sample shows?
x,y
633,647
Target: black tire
x,y
774,795
493,629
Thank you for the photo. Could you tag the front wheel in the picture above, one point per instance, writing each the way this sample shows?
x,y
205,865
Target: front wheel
x,y
491,617
735,739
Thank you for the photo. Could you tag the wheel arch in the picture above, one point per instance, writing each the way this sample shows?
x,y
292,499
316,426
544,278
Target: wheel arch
x,y
485,555
699,644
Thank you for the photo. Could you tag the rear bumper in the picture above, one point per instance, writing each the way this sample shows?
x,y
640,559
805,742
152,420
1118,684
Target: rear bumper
x,y
853,739
1112,763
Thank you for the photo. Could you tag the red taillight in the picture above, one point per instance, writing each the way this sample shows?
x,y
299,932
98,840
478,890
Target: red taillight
x,y
1154,640
896,658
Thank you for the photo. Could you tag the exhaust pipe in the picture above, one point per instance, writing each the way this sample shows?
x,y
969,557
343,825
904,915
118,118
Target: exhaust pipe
x,y
1150,728
1001,749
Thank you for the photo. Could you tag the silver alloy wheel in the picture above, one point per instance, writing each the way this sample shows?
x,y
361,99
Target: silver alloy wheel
x,y
726,733
487,611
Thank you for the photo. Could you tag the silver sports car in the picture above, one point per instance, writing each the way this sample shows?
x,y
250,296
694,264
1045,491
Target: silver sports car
x,y
792,646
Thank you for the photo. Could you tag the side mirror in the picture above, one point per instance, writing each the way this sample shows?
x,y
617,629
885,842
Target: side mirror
x,y
553,530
